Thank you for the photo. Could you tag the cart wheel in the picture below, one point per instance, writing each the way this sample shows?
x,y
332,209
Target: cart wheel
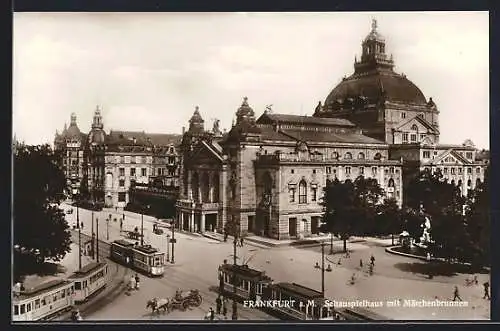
x,y
185,305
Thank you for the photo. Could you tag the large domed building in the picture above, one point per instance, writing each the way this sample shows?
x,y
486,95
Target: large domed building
x,y
267,174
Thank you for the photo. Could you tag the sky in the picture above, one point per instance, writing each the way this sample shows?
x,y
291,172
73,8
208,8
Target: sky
x,y
148,71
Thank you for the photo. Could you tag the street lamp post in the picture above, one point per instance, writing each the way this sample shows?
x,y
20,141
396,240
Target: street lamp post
x,y
235,306
172,241
323,269
93,235
142,224
97,240
107,229
79,234
168,242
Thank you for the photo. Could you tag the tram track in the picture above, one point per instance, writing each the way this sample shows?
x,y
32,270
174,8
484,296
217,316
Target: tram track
x,y
113,289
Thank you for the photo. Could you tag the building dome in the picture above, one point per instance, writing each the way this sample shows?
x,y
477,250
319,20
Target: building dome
x,y
245,113
374,79
391,86
73,132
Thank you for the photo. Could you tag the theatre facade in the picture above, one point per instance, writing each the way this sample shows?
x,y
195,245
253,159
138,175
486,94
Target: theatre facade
x,y
267,174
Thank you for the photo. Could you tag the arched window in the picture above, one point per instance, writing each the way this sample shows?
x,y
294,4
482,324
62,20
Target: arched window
x,y
348,156
478,182
469,183
391,183
361,156
302,192
414,127
378,156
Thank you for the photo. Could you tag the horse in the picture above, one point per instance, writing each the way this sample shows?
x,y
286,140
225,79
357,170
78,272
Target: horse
x,y
157,304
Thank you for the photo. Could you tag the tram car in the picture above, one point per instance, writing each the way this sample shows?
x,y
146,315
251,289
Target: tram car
x,y
144,258
250,283
89,280
44,301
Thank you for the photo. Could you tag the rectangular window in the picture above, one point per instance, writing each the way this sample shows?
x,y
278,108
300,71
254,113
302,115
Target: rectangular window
x,y
361,170
328,170
37,303
144,172
422,136
16,310
405,137
427,154
132,159
122,171
121,196
171,160
478,170
28,307
403,115
459,171
452,171
314,171
413,137
292,194
122,182
445,171
78,286
348,170
122,159
391,170
23,309
374,171
468,155
469,170
314,195
132,172
292,171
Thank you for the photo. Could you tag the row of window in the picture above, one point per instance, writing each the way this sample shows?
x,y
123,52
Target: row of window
x,y
26,308
133,171
453,170
303,193
413,137
242,284
361,170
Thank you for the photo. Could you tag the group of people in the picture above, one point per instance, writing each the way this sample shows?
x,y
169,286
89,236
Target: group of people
x,y
134,282
75,315
220,306
486,289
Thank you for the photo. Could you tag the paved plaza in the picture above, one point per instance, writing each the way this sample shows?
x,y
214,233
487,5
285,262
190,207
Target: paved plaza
x,y
197,259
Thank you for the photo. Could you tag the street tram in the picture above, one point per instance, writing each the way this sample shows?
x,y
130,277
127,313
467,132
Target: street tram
x,y
89,280
308,304
250,283
44,301
144,258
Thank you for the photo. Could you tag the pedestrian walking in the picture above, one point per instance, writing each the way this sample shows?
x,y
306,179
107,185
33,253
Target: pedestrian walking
x,y
241,241
361,263
212,314
475,280
370,269
81,225
121,225
224,307
486,286
137,281
456,294
372,260
218,303
131,283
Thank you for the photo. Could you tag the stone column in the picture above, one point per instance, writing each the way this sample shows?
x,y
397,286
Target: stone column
x,y
210,188
202,224
191,221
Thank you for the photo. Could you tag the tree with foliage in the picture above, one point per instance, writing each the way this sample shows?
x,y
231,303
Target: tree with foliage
x,y
349,206
388,219
478,223
429,195
40,228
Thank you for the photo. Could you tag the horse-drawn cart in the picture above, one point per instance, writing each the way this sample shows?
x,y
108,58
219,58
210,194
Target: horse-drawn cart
x,y
181,300
184,300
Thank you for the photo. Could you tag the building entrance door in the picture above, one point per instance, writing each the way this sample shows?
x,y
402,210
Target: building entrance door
x,y
314,225
292,227
210,222
251,220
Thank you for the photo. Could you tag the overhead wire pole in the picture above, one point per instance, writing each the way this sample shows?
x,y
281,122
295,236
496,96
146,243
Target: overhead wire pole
x,y
79,234
93,236
323,268
235,306
97,240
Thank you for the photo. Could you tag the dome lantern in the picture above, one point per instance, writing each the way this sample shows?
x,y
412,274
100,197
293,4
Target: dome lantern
x,y
373,54
196,123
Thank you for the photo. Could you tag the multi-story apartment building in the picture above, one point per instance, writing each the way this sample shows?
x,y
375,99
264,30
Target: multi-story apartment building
x,y
71,144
